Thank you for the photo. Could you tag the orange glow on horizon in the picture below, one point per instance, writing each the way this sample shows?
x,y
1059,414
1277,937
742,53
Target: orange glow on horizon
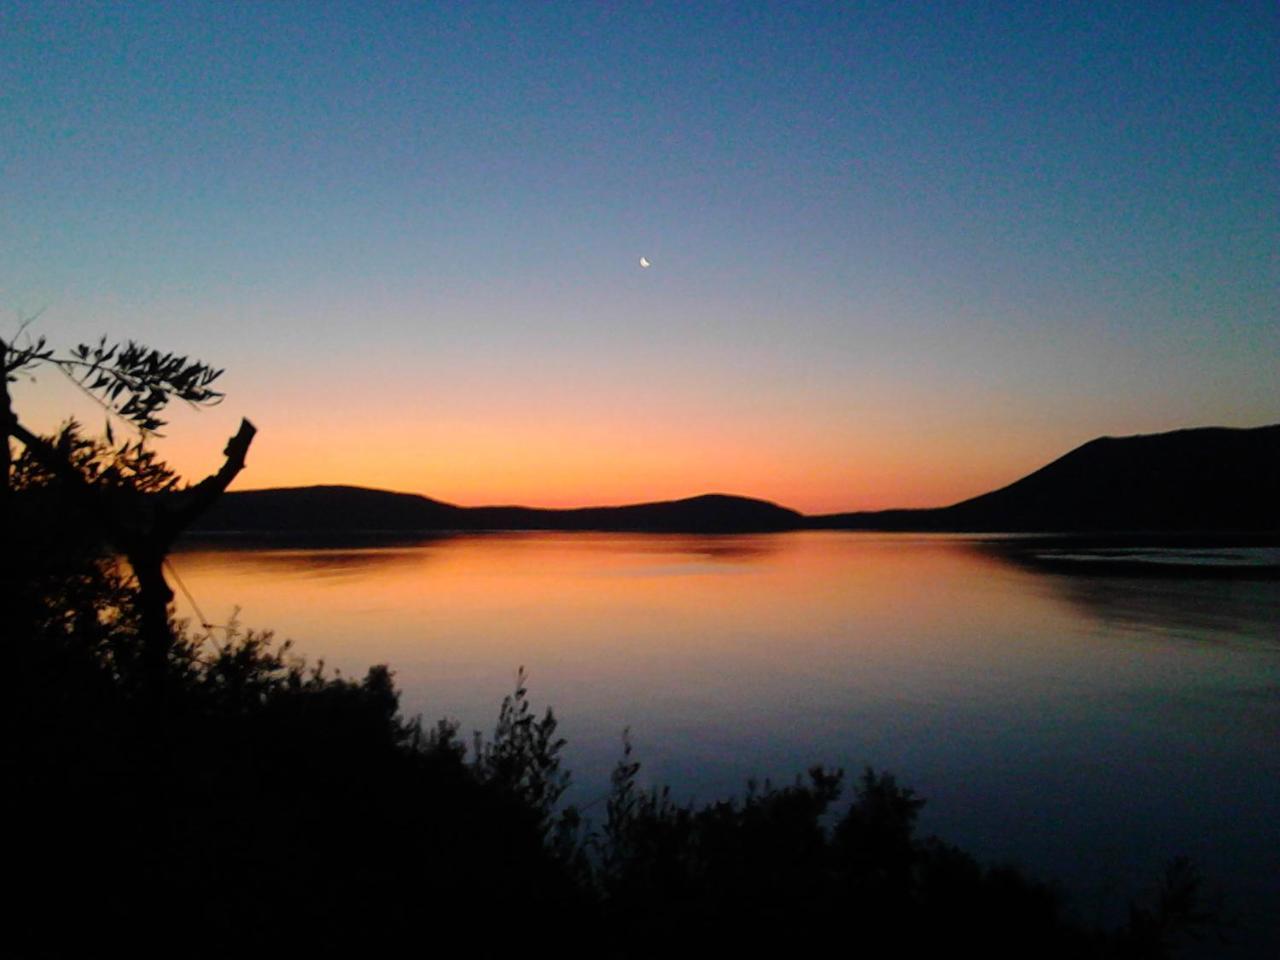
x,y
546,472
568,454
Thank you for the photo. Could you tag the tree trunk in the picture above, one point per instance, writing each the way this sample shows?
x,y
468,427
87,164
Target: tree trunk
x,y
154,597
6,417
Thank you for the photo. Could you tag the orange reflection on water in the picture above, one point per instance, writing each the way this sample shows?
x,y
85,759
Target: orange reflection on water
x,y
601,615
609,624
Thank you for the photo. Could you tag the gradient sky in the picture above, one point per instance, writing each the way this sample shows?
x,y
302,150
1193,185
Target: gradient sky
x,y
902,253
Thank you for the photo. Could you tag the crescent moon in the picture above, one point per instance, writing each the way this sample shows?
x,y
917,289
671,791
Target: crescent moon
x,y
644,262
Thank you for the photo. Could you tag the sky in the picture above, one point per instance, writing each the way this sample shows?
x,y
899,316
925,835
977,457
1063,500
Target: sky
x,y
901,253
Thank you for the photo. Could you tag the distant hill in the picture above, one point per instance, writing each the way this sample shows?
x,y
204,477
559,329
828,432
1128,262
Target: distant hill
x,y
1210,479
1205,479
710,513
337,509
328,509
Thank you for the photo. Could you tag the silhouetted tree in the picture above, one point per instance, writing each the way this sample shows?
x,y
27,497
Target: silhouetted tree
x,y
133,501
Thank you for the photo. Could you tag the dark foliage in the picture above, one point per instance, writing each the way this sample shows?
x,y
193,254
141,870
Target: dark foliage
x,y
132,381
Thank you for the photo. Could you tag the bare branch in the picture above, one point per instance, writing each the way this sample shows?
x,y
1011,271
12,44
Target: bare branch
x,y
199,498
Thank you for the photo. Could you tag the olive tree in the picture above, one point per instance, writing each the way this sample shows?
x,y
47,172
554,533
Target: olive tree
x,y
139,520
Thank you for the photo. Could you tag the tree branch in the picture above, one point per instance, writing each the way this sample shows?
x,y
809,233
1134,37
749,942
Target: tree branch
x,y
198,499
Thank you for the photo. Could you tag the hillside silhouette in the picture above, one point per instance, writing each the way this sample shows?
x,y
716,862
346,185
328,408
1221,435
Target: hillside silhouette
x,y
1208,479
334,508
342,509
709,513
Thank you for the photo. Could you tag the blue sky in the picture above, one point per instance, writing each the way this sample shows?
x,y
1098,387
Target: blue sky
x,y
885,237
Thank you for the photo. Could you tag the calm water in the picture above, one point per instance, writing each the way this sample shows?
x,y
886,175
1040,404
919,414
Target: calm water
x,y
1086,727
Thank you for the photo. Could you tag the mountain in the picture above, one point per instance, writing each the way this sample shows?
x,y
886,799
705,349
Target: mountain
x,y
1204,479
1210,479
337,509
710,513
328,509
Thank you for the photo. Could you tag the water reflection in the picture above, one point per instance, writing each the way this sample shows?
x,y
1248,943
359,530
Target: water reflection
x,y
308,553
1208,611
1140,592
